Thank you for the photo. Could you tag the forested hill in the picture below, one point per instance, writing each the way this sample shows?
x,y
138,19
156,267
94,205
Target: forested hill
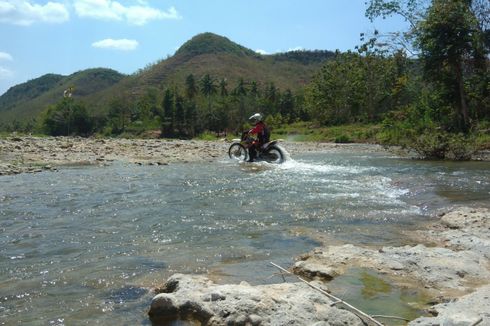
x,y
26,100
204,54
208,43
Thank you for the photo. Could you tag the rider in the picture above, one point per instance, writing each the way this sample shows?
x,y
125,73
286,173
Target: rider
x,y
262,132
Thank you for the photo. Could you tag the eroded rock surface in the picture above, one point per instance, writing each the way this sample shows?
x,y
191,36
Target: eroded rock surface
x,y
194,297
472,309
456,269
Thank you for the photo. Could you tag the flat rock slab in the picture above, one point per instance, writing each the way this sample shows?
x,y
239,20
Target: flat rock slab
x,y
196,298
442,269
469,310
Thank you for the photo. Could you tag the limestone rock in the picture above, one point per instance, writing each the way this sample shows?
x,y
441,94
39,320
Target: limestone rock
x,y
465,311
196,298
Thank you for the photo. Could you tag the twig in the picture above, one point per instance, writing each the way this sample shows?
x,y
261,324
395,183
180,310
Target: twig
x,y
336,300
390,317
477,322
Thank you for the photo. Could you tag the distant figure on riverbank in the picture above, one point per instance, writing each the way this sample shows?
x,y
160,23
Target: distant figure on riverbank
x,y
67,93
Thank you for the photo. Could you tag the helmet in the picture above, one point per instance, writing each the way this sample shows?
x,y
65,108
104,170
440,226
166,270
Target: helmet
x,y
256,117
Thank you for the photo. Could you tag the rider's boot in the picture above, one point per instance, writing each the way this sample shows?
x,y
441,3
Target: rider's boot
x,y
252,154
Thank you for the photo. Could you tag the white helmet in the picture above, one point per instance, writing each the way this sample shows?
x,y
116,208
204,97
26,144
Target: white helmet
x,y
256,117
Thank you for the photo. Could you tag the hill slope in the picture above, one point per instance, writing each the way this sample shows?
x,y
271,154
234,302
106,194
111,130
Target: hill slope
x,y
25,101
205,53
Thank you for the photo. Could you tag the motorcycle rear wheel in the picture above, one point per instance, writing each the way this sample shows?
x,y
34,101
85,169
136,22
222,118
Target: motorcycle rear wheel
x,y
238,152
273,155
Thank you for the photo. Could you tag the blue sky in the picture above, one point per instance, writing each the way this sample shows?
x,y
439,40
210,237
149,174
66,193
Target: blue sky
x,y
65,36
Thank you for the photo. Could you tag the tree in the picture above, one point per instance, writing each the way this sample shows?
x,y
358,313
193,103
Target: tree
x,y
67,117
119,115
453,41
413,11
286,105
179,113
240,89
449,41
208,88
223,91
168,114
191,89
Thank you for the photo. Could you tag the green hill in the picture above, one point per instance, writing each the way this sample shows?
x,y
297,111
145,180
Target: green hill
x,y
219,57
209,43
25,101
205,53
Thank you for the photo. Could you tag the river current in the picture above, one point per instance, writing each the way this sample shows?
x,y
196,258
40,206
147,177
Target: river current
x,y
86,245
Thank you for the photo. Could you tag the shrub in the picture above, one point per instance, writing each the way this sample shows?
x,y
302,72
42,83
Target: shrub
x,y
343,139
435,144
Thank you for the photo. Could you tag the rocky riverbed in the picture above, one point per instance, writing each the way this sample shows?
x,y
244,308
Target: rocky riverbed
x,y
449,259
35,154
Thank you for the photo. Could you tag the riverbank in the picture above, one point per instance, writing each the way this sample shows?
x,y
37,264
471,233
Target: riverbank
x,y
449,259
36,154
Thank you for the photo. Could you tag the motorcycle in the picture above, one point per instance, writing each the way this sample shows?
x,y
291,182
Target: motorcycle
x,y
269,152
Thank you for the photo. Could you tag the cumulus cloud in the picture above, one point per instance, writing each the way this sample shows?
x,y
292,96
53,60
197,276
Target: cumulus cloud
x,y
260,51
5,56
25,13
121,44
298,48
112,10
5,73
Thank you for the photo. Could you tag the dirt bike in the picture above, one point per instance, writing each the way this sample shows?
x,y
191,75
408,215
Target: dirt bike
x,y
269,152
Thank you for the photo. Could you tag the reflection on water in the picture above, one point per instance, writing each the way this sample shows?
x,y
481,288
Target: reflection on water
x,y
86,245
374,293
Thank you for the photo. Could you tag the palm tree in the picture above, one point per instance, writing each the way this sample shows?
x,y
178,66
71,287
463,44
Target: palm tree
x,y
222,87
190,87
208,88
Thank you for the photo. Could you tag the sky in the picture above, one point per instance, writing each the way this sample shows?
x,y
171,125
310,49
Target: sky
x,y
65,36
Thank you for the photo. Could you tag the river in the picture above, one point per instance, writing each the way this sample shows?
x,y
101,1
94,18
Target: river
x,y
85,245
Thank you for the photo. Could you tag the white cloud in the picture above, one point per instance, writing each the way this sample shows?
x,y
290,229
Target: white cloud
x,y
298,48
5,73
5,56
260,51
121,44
113,10
25,13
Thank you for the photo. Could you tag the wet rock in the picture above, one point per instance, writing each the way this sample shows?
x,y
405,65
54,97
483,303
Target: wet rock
x,y
439,268
472,309
313,271
194,297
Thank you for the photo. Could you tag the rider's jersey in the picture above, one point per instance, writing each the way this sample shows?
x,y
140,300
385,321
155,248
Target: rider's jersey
x,y
262,132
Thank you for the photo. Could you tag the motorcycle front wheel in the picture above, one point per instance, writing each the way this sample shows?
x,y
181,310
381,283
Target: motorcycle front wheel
x,y
238,152
273,155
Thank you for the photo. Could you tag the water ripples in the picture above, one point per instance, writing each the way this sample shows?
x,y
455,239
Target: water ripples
x,y
94,240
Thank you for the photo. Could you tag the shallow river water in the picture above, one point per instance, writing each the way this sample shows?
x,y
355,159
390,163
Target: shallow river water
x,y
86,245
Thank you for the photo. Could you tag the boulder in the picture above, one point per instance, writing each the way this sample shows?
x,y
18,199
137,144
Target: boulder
x,y
196,298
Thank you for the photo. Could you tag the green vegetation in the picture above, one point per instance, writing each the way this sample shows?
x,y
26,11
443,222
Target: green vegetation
x,y
307,131
206,43
426,89
449,99
23,103
67,118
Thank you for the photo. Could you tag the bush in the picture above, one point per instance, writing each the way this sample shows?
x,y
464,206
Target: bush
x,y
435,144
67,118
343,139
